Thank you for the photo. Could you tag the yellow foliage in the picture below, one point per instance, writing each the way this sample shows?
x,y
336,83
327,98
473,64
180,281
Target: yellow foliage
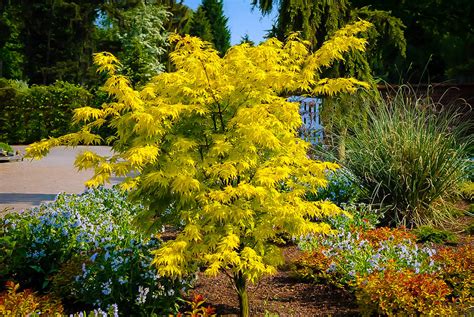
x,y
216,145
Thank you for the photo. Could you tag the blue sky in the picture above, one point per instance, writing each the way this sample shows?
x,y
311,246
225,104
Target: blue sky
x,y
242,20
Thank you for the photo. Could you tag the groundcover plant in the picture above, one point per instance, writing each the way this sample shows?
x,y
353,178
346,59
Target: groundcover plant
x,y
85,250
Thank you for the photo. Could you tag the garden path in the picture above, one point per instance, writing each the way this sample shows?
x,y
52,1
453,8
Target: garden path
x,y
28,183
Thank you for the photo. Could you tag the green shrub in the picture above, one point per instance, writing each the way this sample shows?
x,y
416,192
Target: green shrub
x,y
466,190
408,158
5,147
430,234
31,114
87,247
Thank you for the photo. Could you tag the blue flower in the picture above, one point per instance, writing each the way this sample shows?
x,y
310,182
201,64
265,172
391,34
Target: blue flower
x,y
106,288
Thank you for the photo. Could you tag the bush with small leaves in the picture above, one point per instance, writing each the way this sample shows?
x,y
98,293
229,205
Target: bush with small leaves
x,y
457,270
358,248
87,246
430,234
16,302
403,293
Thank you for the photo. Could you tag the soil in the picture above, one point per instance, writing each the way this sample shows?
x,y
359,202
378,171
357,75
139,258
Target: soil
x,y
278,295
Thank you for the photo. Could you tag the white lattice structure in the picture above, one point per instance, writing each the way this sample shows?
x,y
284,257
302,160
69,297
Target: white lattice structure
x,y
310,107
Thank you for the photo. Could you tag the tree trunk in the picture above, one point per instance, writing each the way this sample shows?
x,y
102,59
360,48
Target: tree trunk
x,y
341,148
241,285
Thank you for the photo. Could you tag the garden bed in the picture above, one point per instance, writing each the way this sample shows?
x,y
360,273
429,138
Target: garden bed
x,y
82,253
280,295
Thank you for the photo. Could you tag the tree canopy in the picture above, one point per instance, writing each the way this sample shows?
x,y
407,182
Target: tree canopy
x,y
318,20
439,35
45,41
214,10
215,149
200,26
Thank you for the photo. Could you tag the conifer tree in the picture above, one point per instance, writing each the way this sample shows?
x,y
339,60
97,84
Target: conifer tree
x,y
220,32
317,20
214,147
200,26
246,39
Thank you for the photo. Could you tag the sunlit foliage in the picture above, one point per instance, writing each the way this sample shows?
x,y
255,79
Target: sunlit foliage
x,y
214,147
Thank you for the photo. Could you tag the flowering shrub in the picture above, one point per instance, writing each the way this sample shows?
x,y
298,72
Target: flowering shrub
x,y
341,189
403,293
362,217
27,303
352,255
379,235
359,249
111,312
389,272
87,246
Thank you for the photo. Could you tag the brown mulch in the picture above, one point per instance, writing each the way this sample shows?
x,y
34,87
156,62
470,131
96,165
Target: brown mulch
x,y
280,294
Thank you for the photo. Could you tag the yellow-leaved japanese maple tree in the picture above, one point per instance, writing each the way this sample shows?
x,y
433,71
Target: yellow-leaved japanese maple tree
x,y
214,146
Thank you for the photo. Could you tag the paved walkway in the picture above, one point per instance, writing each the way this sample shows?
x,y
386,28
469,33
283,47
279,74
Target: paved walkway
x,y
28,183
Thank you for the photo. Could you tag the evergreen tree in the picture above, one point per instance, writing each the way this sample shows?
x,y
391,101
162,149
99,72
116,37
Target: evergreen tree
x,y
181,16
11,46
317,20
440,39
246,39
200,26
220,32
58,38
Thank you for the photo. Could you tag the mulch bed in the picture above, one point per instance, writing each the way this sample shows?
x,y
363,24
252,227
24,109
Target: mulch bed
x,y
280,294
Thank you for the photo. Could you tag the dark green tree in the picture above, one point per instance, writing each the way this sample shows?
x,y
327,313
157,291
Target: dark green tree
x,y
57,37
181,16
440,39
220,32
317,20
200,26
11,46
439,34
246,39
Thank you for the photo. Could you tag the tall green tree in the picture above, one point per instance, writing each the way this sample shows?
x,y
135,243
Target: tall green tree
x,y
143,42
317,20
181,16
58,38
439,34
440,39
220,31
11,46
200,26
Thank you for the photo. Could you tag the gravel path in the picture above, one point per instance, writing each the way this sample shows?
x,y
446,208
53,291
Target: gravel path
x,y
28,183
